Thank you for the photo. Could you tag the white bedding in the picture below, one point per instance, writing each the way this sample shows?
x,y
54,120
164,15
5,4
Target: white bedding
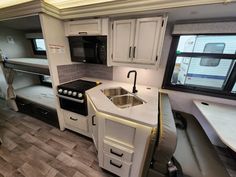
x,y
38,94
34,62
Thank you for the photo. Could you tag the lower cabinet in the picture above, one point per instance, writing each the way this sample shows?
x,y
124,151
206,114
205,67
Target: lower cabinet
x,y
38,111
93,124
76,122
116,166
122,145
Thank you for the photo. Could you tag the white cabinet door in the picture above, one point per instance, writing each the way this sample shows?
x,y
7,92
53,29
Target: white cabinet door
x,y
147,38
95,130
83,27
123,39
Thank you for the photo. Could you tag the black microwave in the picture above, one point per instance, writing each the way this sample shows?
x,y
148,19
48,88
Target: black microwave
x,y
88,49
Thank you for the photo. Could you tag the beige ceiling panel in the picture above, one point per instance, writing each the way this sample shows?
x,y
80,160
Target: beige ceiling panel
x,y
8,3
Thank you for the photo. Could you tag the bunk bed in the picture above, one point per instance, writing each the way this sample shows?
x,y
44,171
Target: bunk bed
x,y
33,65
36,100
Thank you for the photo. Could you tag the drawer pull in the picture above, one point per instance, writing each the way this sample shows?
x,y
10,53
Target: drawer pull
x,y
112,163
83,33
74,119
93,121
115,153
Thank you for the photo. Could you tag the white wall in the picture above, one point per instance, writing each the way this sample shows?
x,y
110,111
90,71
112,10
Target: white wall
x,y
54,34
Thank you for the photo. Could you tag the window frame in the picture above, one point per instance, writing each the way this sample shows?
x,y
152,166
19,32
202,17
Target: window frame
x,y
226,92
34,46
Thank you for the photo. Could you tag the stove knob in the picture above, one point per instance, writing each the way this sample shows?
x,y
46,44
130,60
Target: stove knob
x,y
74,93
65,92
60,91
70,93
80,95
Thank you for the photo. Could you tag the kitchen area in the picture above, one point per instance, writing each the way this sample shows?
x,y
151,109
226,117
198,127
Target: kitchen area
x,y
107,73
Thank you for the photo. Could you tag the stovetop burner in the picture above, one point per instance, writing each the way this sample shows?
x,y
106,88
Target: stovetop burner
x,y
76,89
79,85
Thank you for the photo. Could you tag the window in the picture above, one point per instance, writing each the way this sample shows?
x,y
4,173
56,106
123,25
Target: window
x,y
202,64
39,47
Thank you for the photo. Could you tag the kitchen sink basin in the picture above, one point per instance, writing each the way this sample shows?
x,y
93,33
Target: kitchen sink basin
x,y
111,92
122,98
125,101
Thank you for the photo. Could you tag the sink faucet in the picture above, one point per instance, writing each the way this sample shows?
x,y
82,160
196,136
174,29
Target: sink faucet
x,y
135,78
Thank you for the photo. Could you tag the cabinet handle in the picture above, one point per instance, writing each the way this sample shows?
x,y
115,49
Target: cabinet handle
x,y
74,119
134,52
93,121
112,163
115,153
130,52
83,32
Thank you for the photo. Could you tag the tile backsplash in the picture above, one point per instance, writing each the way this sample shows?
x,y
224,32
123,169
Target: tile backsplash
x,y
71,72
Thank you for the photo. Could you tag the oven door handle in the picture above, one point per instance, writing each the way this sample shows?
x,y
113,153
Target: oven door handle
x,y
72,99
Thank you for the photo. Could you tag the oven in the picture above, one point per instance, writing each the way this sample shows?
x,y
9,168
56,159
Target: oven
x,y
75,106
72,96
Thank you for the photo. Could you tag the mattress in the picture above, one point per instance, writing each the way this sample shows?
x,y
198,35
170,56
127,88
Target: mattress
x,y
38,94
34,62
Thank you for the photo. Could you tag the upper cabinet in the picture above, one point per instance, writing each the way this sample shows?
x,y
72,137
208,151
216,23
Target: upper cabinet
x,y
137,42
87,27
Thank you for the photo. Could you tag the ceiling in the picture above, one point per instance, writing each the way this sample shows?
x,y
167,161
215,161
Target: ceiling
x,y
7,3
60,4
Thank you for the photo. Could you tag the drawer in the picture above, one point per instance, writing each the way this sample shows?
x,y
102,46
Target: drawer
x,y
76,120
116,166
118,151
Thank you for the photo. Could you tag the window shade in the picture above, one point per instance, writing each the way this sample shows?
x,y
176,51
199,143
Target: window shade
x,y
205,28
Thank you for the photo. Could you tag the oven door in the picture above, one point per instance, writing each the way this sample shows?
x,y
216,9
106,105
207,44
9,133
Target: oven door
x,y
74,106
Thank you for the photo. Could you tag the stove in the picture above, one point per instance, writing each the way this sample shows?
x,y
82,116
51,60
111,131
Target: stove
x,y
72,95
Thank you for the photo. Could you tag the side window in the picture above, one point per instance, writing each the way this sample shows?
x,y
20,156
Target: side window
x,y
39,47
212,48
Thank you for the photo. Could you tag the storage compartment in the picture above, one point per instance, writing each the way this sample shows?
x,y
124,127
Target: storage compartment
x,y
38,111
118,151
83,27
116,166
121,133
75,120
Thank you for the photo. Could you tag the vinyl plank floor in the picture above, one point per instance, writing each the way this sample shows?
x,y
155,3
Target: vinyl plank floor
x,y
32,148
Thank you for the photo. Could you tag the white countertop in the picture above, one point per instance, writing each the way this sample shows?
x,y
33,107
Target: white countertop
x,y
145,114
222,118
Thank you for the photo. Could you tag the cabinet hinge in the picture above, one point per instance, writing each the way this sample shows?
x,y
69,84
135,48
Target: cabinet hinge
x,y
162,24
156,58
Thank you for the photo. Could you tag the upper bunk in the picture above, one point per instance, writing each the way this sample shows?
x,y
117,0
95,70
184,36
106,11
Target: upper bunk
x,y
32,65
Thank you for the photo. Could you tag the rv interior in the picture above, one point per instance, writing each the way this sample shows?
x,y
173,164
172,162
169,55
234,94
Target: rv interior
x,y
130,88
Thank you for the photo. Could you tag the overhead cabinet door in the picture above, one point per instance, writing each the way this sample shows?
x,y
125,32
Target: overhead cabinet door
x,y
123,40
147,38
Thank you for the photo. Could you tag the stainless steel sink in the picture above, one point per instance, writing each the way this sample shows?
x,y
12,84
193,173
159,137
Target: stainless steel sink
x,y
125,101
111,92
122,98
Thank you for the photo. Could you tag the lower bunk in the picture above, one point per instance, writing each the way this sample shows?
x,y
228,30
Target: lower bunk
x,y
38,101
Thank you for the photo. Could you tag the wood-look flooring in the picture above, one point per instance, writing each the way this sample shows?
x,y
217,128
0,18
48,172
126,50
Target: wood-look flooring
x,y
32,148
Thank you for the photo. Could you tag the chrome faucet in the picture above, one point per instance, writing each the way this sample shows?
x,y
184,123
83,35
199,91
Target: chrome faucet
x,y
135,78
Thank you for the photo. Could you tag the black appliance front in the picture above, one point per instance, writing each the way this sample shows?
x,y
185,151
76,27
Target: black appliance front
x,y
88,49
74,106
